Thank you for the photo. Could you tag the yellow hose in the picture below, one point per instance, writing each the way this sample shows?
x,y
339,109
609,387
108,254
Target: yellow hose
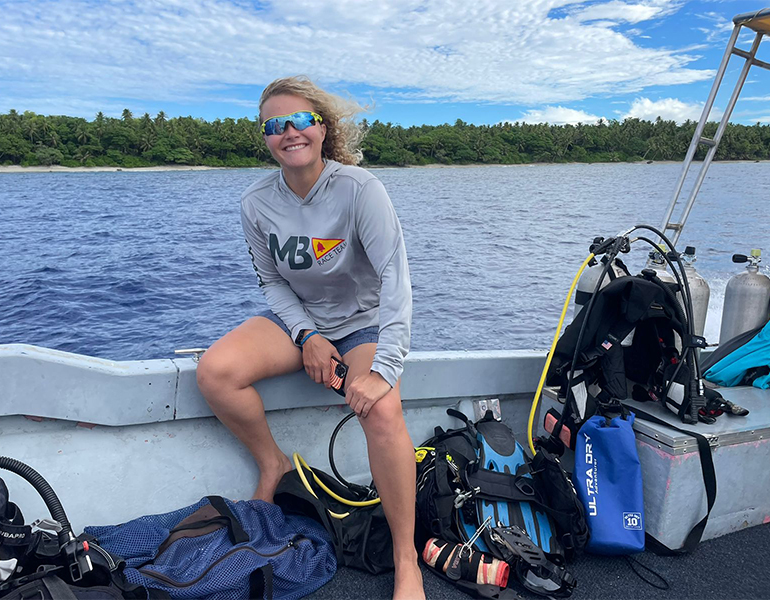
x,y
540,385
306,483
300,463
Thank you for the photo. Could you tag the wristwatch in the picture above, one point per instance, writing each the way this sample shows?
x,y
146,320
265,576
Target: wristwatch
x,y
300,335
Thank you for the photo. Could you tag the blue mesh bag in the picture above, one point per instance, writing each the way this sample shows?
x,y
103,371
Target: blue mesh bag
x,y
222,550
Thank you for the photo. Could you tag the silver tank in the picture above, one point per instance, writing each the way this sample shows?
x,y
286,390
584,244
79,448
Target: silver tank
x,y
747,299
587,283
656,262
699,291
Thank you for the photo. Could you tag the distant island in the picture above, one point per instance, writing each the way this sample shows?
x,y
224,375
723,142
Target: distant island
x,y
29,139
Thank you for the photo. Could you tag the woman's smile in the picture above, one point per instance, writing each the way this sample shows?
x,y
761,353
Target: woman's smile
x,y
294,147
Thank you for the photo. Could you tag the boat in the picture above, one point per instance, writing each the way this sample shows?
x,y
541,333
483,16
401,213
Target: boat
x,y
119,439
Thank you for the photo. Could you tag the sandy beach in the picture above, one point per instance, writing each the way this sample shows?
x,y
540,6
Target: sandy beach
x,y
60,169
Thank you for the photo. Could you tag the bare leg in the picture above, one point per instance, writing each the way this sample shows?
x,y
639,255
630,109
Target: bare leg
x,y
253,351
391,459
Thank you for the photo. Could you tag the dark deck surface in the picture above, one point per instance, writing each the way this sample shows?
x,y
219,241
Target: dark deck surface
x,y
735,566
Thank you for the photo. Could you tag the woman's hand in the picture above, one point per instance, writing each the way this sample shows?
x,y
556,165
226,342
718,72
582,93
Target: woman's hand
x,y
365,391
317,355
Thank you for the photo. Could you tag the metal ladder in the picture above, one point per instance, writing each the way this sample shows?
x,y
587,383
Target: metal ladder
x,y
759,22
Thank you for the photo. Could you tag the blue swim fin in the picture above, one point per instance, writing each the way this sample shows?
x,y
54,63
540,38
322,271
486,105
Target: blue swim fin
x,y
500,452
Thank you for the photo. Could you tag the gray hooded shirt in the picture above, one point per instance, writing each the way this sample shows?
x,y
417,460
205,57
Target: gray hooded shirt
x,y
335,260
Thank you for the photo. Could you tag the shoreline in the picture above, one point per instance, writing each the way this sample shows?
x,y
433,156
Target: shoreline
x,y
61,169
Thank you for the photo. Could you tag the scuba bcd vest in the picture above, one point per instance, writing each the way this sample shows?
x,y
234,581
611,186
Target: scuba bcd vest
x,y
46,560
479,473
647,308
743,360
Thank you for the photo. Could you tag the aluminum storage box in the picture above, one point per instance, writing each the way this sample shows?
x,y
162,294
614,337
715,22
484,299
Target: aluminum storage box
x,y
674,495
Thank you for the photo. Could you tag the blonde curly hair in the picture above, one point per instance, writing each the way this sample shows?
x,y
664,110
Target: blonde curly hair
x,y
343,134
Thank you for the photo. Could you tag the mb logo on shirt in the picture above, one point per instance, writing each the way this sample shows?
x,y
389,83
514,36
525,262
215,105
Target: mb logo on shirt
x,y
295,250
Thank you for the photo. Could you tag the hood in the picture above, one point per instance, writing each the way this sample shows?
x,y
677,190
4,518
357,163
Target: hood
x,y
316,193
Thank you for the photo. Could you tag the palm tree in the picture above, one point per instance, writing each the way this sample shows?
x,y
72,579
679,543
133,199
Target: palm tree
x,y
146,123
43,125
82,155
81,133
147,141
14,119
99,122
127,116
30,129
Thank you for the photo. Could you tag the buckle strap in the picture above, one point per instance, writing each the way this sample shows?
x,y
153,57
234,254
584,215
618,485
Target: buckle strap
x,y
503,486
709,482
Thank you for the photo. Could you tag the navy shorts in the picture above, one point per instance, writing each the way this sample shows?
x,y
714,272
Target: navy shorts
x,y
367,335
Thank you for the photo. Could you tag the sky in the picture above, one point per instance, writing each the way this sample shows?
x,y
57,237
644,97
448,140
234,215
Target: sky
x,y
409,62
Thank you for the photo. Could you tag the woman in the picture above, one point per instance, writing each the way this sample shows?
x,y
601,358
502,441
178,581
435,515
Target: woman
x,y
329,254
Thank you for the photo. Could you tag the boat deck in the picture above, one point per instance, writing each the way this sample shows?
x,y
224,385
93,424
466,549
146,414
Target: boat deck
x,y
733,566
95,417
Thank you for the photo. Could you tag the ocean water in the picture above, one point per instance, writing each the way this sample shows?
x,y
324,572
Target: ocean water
x,y
131,265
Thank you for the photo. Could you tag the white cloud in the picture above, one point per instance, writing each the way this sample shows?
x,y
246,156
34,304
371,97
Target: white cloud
x,y
628,12
453,50
719,26
559,115
668,109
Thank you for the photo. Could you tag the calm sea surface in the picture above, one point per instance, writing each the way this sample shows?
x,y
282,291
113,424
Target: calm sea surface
x,y
131,265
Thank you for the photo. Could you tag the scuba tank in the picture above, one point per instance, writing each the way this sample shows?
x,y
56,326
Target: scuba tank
x,y
747,299
658,264
587,282
699,291
590,277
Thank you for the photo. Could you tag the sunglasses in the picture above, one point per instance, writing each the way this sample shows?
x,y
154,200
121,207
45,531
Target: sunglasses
x,y
299,120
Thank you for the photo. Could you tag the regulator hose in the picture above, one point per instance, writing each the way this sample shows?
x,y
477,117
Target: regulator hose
x,y
683,283
367,492
301,465
298,464
533,410
688,354
46,493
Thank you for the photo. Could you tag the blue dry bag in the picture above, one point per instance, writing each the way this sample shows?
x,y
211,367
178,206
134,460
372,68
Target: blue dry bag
x,y
608,480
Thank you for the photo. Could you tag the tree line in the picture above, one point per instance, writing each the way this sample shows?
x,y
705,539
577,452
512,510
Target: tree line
x,y
31,139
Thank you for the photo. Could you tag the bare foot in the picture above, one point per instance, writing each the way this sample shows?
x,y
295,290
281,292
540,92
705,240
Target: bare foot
x,y
269,478
408,584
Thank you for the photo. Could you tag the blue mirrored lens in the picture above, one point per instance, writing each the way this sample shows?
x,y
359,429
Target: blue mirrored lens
x,y
298,120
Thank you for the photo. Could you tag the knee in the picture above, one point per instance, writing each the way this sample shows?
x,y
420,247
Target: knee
x,y
385,419
216,374
210,374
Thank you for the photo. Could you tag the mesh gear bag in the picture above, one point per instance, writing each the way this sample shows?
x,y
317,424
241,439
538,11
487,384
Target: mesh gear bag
x,y
222,550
